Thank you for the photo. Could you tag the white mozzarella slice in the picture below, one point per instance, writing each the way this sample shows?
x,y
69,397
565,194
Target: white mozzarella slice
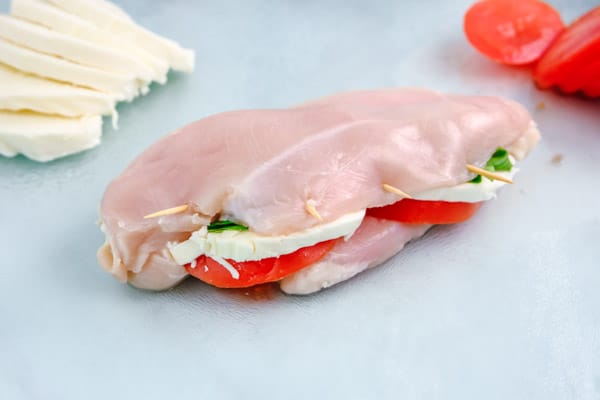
x,y
246,245
468,192
106,18
44,40
28,92
113,8
44,138
45,14
122,87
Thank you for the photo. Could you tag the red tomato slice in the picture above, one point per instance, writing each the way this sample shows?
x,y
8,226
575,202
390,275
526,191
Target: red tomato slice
x,y
411,211
584,75
573,59
592,89
261,271
512,31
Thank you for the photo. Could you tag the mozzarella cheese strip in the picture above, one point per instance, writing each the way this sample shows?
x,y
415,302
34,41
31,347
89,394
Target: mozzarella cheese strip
x,y
235,274
121,87
47,15
28,92
105,17
248,246
44,40
44,138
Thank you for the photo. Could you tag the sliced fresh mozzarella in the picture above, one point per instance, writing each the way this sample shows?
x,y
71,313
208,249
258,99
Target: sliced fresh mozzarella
x,y
107,18
467,192
113,8
246,245
44,40
28,92
58,20
122,87
44,138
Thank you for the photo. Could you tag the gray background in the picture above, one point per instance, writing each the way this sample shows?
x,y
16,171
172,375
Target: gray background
x,y
503,306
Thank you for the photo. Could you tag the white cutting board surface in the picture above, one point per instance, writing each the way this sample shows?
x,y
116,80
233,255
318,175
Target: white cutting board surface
x,y
505,306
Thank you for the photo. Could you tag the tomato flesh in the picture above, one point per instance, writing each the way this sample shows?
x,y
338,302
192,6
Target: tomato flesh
x,y
260,271
410,211
583,76
573,61
592,89
512,31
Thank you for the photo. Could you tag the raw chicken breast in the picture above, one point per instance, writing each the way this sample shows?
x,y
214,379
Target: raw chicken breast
x,y
375,241
415,147
260,167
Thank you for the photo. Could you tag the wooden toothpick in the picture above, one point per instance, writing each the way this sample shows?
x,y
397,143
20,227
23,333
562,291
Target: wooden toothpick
x,y
395,190
488,174
167,211
310,208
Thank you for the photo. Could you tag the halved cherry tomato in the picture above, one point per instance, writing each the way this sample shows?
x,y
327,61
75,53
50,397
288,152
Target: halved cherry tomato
x,y
512,31
573,61
412,211
592,89
257,272
572,82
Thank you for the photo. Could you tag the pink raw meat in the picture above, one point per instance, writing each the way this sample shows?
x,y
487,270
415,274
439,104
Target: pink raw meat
x,y
375,241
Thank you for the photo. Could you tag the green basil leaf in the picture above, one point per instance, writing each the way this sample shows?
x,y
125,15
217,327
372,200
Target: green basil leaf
x,y
477,179
225,225
499,161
